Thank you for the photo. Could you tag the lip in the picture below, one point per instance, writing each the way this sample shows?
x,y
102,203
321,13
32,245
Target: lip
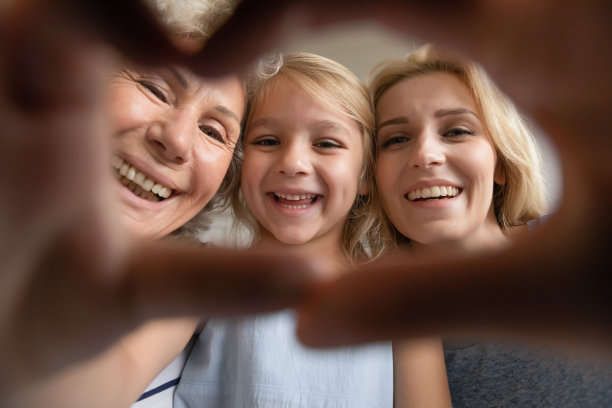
x,y
151,172
293,211
126,195
432,204
132,199
431,183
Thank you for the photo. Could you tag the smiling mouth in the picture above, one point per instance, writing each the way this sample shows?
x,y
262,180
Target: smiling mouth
x,y
295,201
433,193
138,182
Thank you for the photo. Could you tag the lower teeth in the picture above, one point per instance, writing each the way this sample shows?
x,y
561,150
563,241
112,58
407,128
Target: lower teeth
x,y
137,190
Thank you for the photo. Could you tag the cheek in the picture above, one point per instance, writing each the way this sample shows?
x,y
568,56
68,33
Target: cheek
x,y
482,164
252,165
126,108
384,179
211,167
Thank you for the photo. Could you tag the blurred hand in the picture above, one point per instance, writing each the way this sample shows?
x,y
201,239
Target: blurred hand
x,y
70,283
552,59
70,286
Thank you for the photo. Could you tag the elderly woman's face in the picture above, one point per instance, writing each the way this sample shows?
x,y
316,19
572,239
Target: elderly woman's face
x,y
174,135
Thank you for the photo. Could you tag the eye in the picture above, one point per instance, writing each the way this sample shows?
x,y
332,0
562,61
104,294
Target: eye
x,y
155,90
266,141
394,140
458,131
212,133
328,144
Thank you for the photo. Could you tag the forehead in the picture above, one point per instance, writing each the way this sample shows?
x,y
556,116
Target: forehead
x,y
230,90
435,90
312,96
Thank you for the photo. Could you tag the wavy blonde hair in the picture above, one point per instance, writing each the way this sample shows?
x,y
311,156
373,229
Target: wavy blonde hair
x,y
522,197
335,86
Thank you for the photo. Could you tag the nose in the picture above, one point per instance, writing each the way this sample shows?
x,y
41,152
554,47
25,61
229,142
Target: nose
x,y
172,138
293,160
427,151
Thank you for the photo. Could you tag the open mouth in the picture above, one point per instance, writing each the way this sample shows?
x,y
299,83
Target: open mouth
x,y
295,201
138,182
433,193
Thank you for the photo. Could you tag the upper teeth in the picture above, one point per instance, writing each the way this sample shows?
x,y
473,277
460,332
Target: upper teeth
x,y
295,197
433,192
130,172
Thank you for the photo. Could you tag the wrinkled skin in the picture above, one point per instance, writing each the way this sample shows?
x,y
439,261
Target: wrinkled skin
x,y
70,285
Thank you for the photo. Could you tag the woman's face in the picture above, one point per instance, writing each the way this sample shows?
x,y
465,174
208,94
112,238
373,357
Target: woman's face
x,y
301,169
435,163
174,135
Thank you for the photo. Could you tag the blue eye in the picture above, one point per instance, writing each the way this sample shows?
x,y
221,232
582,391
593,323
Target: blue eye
x,y
155,90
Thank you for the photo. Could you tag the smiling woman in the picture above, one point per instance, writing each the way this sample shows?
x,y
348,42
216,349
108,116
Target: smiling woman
x,y
457,169
172,136
175,134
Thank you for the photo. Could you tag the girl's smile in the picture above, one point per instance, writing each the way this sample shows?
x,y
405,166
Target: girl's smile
x,y
301,169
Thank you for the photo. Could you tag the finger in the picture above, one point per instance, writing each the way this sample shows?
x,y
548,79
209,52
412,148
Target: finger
x,y
531,291
165,280
128,25
255,27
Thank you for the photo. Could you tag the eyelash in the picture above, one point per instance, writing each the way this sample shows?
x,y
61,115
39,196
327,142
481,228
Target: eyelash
x,y
268,141
454,132
458,132
328,144
212,133
155,90
394,140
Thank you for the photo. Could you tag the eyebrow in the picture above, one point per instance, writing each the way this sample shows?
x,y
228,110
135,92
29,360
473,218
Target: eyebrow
x,y
400,120
459,111
227,112
330,125
179,77
319,125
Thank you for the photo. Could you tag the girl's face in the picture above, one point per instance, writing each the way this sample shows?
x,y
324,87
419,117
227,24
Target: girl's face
x,y
435,162
174,138
302,166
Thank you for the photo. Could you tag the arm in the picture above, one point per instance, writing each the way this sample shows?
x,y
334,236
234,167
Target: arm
x,y
419,374
117,377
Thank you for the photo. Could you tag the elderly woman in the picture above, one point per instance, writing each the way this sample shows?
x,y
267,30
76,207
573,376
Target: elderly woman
x,y
174,137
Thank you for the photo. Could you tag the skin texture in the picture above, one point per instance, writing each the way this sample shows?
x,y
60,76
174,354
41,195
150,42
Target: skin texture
x,y
177,129
430,134
63,260
308,149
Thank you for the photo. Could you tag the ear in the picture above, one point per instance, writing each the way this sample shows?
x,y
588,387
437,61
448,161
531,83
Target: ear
x,y
499,177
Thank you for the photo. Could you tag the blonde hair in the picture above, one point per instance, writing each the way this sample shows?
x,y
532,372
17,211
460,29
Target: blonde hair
x,y
522,197
335,86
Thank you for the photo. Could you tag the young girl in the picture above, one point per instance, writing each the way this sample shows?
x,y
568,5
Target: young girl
x,y
306,185
456,169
